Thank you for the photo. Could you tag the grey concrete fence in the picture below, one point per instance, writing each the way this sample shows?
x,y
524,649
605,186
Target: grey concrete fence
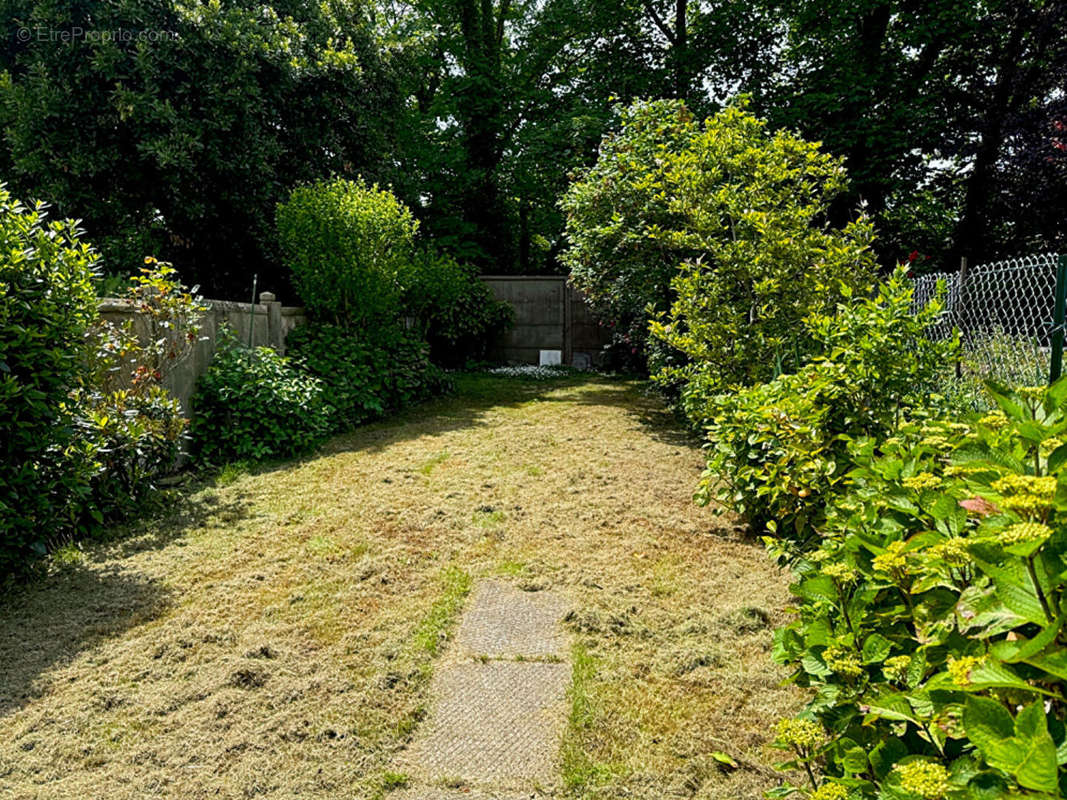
x,y
549,315
268,322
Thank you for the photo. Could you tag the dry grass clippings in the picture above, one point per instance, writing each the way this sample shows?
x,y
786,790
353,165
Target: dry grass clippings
x,y
275,634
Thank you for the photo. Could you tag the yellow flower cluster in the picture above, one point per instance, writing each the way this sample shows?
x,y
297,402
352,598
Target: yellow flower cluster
x,y
994,420
937,442
1026,494
924,778
829,791
960,668
840,572
1032,392
953,551
924,480
1028,484
1024,532
1026,504
892,560
896,668
842,660
802,733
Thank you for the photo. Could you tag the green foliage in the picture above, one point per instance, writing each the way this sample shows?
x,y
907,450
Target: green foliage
x,y
992,355
134,425
347,243
778,450
181,140
134,436
714,232
617,213
753,204
930,618
366,373
454,310
256,404
89,424
47,304
839,63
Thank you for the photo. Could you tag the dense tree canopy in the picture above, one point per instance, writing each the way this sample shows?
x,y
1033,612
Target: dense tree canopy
x,y
940,108
181,139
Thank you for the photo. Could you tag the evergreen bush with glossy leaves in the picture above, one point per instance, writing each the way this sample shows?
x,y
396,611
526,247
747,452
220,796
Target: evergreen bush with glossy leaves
x,y
754,205
88,425
716,234
47,304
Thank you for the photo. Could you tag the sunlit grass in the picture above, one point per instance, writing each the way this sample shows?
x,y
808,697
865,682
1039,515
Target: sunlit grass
x,y
274,634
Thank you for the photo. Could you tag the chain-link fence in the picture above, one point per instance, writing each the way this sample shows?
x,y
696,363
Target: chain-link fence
x,y
1005,314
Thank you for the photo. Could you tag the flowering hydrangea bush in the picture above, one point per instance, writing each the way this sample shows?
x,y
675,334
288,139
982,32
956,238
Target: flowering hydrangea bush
x,y
931,613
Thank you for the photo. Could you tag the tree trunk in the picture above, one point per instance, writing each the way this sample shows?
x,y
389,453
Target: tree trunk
x,y
682,79
524,236
872,29
969,241
481,109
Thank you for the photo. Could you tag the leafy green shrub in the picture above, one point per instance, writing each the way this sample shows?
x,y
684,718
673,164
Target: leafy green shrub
x,y
753,205
369,373
90,424
351,250
930,619
256,404
47,304
454,310
617,213
715,232
134,425
778,450
135,437
346,244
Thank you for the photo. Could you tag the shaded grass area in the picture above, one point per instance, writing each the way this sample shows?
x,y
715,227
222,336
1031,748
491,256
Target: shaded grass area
x,y
273,635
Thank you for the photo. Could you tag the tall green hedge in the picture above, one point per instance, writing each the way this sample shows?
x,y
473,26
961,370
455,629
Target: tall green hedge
x,y
47,304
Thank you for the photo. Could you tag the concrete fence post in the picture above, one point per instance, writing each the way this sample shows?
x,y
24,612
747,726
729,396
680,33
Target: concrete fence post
x,y
275,334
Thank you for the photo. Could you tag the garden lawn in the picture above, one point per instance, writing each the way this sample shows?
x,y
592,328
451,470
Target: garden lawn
x,y
274,634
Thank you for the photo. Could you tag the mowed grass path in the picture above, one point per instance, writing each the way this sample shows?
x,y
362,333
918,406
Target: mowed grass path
x,y
273,636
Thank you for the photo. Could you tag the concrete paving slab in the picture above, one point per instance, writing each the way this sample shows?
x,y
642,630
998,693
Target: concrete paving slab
x,y
495,724
503,621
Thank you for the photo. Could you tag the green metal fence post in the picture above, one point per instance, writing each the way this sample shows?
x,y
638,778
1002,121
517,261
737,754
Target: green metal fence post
x,y
1057,320
956,312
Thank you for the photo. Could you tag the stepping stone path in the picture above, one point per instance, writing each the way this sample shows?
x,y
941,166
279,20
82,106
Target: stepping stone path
x,y
499,702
